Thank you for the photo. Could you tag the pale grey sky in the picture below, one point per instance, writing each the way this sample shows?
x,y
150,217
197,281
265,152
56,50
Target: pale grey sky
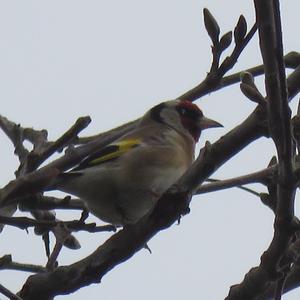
x,y
113,60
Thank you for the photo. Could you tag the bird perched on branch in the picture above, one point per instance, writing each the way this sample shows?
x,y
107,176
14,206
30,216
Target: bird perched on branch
x,y
122,181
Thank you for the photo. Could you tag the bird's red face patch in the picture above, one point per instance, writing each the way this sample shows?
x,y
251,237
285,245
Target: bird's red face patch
x,y
189,106
190,115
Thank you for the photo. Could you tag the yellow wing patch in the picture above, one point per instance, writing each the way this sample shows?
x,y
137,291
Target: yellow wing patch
x,y
116,150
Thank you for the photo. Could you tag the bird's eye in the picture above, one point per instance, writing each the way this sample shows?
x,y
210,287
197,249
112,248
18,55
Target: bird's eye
x,y
183,111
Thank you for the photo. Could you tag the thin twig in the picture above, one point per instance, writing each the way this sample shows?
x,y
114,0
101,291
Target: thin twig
x,y
213,79
25,223
6,292
279,287
41,202
262,177
292,60
14,133
52,260
6,263
39,155
217,184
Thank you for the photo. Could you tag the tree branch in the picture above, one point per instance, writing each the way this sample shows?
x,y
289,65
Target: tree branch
x,y
257,177
6,292
40,202
214,78
75,225
268,21
6,263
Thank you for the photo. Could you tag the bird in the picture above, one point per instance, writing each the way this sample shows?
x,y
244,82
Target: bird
x,y
121,182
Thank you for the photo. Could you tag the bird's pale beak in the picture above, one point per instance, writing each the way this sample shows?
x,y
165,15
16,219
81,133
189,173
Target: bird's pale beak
x,y
205,123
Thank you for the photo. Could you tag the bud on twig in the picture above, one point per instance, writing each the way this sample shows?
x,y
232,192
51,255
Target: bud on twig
x,y
211,26
240,30
225,40
252,93
273,161
247,78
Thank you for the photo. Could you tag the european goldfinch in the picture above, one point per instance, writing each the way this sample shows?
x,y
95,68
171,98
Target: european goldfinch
x,y
122,182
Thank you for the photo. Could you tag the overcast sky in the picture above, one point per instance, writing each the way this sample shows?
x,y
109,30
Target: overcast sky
x,y
113,60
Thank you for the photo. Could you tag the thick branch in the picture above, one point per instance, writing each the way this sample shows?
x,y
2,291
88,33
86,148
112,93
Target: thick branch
x,y
279,124
292,282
